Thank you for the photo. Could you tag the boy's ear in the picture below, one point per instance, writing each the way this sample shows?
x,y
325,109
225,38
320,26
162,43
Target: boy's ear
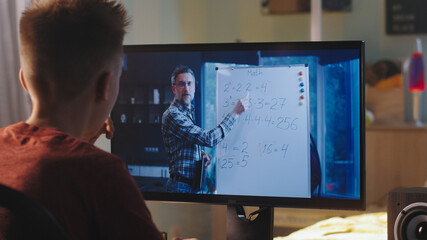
x,y
173,89
22,80
103,86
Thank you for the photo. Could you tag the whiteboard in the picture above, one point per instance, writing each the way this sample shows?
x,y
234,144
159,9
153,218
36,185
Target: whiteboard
x,y
267,153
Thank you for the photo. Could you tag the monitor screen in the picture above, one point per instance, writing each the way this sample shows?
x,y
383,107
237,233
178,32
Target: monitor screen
x,y
299,142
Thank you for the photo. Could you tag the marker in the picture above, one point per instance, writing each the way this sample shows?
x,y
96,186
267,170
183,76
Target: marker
x,y
245,100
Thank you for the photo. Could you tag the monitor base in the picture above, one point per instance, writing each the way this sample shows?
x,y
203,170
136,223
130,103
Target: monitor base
x,y
239,227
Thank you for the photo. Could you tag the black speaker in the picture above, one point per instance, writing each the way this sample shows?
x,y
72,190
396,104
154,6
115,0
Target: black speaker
x,y
407,214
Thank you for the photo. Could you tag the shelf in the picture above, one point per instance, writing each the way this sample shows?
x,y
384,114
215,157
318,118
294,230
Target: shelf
x,y
395,127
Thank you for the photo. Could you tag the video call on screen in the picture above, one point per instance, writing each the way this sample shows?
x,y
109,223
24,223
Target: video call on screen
x,y
300,137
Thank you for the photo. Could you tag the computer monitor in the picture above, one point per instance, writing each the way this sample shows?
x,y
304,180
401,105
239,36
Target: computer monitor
x,y
299,144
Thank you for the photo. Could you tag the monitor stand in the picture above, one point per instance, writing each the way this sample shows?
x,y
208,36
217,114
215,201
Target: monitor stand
x,y
239,227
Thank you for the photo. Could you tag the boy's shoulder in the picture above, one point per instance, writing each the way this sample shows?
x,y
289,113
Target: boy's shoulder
x,y
53,144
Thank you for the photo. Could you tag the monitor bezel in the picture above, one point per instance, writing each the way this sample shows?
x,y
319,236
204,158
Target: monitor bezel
x,y
315,203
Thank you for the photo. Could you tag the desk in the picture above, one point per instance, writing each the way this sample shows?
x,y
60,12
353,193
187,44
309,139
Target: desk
x,y
396,156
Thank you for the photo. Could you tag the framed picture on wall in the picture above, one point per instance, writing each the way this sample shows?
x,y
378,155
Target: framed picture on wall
x,y
405,17
302,6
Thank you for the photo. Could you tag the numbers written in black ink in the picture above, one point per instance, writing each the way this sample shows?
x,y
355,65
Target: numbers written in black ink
x,y
272,104
270,148
277,103
268,120
227,87
231,162
227,101
286,123
239,87
281,122
239,154
250,103
285,149
248,118
244,161
243,147
245,87
267,149
264,86
248,87
227,162
259,103
225,147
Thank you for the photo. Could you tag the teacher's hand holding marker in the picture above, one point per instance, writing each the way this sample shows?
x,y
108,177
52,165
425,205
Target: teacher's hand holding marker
x,y
241,106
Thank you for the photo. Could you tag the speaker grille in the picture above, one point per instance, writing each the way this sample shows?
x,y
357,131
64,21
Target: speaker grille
x,y
411,223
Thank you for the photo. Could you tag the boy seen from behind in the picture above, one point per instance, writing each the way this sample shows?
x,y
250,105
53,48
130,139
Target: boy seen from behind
x,y
71,54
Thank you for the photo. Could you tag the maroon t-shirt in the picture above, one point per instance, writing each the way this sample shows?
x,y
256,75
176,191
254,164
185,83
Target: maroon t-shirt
x,y
89,191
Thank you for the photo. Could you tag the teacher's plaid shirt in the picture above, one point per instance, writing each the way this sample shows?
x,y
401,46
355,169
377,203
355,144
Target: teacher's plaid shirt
x,y
183,138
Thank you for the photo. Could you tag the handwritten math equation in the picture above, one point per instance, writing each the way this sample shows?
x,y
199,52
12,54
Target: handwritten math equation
x,y
263,111
272,104
241,154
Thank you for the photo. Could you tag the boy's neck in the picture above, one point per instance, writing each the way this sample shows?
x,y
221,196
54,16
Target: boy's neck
x,y
71,117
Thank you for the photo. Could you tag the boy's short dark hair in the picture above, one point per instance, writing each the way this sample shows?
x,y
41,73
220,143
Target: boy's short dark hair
x,y
178,70
65,43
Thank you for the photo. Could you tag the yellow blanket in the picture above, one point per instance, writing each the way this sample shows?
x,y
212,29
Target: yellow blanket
x,y
366,226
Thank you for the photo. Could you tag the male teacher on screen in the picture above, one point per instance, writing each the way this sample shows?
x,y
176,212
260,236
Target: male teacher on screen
x,y
183,138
